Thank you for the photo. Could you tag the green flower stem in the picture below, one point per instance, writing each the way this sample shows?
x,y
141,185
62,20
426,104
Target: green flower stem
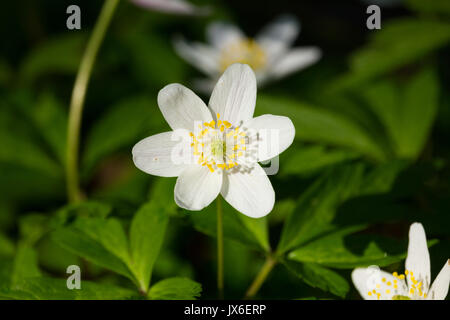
x,y
261,277
78,97
219,247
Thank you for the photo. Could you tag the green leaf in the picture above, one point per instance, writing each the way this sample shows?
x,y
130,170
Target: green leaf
x,y
161,194
420,103
59,55
313,124
317,206
25,265
85,209
107,232
6,246
319,277
281,210
50,119
341,250
306,159
104,242
6,269
315,213
406,112
175,289
238,227
81,243
430,6
382,178
146,237
399,43
19,146
32,227
44,288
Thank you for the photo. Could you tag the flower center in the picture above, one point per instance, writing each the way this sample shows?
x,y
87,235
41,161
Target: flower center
x,y
218,145
386,286
218,148
246,51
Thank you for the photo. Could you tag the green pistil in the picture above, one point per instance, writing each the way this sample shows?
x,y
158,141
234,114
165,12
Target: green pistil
x,y
218,148
398,297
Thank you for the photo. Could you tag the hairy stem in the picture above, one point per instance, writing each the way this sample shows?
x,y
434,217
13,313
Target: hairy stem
x,y
261,277
78,97
219,247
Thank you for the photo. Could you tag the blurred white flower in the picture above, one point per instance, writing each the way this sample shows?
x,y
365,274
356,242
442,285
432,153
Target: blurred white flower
x,y
374,284
270,54
172,6
216,149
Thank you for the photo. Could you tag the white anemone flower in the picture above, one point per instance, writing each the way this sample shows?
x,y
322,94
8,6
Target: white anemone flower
x,y
171,6
375,284
216,149
270,54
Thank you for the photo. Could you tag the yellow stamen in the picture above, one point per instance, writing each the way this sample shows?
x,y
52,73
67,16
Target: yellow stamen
x,y
246,51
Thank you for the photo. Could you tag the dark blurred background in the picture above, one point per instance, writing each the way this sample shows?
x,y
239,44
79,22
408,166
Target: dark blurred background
x,y
372,116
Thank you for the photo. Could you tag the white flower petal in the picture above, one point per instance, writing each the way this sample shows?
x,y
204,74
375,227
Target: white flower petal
x,y
171,6
234,95
439,289
181,107
274,134
418,258
249,191
197,187
157,155
279,35
376,281
222,34
296,59
203,57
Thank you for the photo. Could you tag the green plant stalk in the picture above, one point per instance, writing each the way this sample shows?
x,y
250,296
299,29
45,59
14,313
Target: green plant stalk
x,y
261,276
219,248
78,97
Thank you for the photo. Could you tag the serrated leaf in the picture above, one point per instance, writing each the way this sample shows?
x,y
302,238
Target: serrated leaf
x,y
146,237
175,289
319,277
315,213
343,250
317,206
79,243
107,232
